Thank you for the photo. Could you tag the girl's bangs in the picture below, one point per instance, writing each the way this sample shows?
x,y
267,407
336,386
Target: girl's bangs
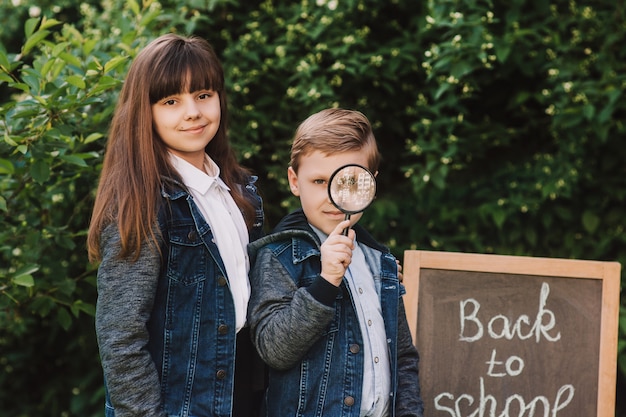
x,y
188,71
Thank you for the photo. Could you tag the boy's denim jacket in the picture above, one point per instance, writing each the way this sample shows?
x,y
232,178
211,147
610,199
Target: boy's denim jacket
x,y
314,351
166,323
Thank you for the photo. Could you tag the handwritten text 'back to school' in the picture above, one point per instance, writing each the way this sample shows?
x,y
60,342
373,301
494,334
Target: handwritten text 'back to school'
x,y
475,328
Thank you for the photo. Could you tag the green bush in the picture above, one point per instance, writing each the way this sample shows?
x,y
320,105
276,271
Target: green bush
x,y
63,83
500,124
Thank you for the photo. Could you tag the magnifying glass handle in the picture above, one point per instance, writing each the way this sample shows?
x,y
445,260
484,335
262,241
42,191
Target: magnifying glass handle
x,y
345,231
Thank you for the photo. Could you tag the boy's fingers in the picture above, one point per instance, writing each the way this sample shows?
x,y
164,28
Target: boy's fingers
x,y
340,227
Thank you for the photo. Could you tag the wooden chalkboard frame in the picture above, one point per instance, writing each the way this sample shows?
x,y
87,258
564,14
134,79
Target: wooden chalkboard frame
x,y
608,272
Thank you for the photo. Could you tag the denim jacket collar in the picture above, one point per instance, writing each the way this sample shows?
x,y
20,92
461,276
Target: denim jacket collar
x,y
305,241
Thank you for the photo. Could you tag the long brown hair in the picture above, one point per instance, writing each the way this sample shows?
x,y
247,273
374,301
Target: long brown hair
x,y
129,191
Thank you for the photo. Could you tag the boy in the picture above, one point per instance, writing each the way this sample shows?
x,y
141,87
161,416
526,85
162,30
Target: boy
x,y
326,311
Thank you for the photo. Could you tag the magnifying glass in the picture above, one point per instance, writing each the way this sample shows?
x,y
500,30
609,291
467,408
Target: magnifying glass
x,y
351,189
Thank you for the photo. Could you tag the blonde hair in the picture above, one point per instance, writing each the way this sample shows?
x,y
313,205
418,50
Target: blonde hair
x,y
334,131
129,191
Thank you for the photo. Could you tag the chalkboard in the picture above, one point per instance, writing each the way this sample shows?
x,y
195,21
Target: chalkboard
x,y
504,336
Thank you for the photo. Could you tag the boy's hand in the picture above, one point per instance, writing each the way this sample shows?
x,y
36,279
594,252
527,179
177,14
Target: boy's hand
x,y
336,253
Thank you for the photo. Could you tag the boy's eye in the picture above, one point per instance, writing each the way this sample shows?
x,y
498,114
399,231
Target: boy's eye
x,y
319,181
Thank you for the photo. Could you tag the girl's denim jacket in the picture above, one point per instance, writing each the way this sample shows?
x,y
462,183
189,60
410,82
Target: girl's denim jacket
x,y
314,348
166,322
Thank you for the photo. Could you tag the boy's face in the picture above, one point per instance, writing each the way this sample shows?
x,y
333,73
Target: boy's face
x,y
310,183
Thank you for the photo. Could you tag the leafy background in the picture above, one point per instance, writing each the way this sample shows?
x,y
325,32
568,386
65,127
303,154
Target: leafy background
x,y
501,124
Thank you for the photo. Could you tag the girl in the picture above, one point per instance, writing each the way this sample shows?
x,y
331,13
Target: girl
x,y
173,214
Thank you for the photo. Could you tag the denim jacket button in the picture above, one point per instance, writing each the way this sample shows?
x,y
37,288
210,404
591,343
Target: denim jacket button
x,y
222,329
221,281
349,401
221,374
192,235
354,348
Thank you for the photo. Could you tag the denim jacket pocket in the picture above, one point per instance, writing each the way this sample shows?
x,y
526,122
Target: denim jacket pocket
x,y
187,255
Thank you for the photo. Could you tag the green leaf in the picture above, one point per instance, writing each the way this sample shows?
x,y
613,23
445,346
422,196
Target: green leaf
x,y
589,111
25,280
77,81
87,155
89,45
80,305
4,60
48,23
105,83
134,6
8,139
46,67
590,221
460,68
6,167
93,137
5,78
30,26
88,308
150,16
66,287
64,318
498,216
70,59
22,86
40,171
59,48
114,63
3,204
27,269
503,50
441,90
73,159
34,40
64,241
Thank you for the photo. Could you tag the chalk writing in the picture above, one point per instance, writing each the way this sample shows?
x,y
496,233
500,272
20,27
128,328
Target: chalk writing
x,y
487,405
514,366
472,329
507,329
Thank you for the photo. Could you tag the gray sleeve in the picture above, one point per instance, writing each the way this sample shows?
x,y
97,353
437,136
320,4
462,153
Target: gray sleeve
x,y
126,292
284,320
408,400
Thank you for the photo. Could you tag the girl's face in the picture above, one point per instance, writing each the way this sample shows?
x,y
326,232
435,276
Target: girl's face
x,y
186,122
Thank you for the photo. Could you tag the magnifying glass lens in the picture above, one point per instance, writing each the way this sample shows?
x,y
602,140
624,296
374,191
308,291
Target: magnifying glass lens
x,y
352,188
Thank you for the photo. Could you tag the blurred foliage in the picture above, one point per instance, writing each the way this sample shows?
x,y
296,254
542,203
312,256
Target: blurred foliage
x,y
501,125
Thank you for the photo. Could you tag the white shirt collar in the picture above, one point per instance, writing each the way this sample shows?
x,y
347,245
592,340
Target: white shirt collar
x,y
196,178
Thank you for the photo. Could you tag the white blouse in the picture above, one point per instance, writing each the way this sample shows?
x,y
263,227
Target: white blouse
x,y
217,206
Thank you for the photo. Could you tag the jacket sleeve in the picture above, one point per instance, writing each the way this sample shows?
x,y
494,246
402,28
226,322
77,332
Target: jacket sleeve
x,y
408,398
126,292
284,320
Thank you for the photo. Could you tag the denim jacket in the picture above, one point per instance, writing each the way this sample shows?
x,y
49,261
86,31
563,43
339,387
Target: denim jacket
x,y
312,345
166,322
